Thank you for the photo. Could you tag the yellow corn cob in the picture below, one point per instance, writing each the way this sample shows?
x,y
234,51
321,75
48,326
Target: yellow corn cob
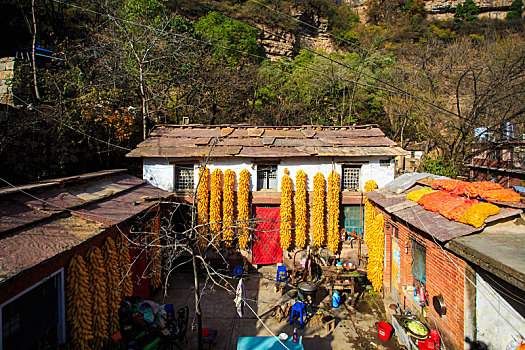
x,y
243,209
286,210
301,210
112,282
215,201
124,266
334,236
98,291
203,195
227,206
319,210
79,302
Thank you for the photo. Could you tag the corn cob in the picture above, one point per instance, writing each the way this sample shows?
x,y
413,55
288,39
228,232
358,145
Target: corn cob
x,y
376,253
227,206
98,291
215,201
79,301
369,209
203,195
154,255
124,266
112,283
334,236
319,210
243,207
301,210
286,210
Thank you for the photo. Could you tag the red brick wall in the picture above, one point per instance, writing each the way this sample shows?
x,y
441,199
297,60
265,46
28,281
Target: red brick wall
x,y
442,277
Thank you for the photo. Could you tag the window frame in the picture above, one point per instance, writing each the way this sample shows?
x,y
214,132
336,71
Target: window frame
x,y
190,186
270,172
420,276
344,177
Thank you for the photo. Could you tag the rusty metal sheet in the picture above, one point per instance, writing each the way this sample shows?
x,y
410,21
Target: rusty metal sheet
x,y
32,246
279,133
172,131
14,215
271,152
350,133
354,151
245,142
123,206
298,142
218,151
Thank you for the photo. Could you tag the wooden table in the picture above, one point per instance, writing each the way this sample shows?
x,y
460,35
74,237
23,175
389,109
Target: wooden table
x,y
333,274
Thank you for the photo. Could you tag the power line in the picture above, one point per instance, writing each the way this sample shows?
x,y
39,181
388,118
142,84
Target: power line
x,y
27,104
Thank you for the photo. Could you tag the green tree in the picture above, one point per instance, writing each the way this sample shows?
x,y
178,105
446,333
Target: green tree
x,y
515,10
234,41
466,12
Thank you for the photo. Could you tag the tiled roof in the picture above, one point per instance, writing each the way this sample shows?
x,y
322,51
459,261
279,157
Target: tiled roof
x,y
263,141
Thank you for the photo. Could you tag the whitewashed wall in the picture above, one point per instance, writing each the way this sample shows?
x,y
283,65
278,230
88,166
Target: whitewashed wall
x,y
493,320
158,172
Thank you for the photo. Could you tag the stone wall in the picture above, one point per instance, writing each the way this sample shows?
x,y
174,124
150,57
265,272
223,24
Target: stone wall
x,y
7,65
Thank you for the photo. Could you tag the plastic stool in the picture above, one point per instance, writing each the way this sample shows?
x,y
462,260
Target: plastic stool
x,y
281,274
298,309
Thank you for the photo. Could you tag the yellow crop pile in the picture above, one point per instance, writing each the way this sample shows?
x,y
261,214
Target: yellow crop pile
x,y
416,195
318,212
154,254
376,252
478,213
112,282
227,206
215,201
334,237
301,211
243,207
286,210
203,195
370,214
79,314
124,266
97,289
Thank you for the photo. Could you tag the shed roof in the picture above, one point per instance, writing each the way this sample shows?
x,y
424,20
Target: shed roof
x,y
198,140
434,224
39,222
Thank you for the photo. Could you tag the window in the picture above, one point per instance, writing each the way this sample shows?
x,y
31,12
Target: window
x,y
351,177
352,218
266,177
419,262
184,177
384,162
395,232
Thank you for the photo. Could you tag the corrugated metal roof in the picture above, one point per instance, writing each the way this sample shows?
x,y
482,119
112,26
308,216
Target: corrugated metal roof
x,y
263,141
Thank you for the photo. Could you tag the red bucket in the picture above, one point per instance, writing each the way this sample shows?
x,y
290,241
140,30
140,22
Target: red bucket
x,y
384,330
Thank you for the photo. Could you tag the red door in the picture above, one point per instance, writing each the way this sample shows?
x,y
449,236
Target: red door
x,y
267,245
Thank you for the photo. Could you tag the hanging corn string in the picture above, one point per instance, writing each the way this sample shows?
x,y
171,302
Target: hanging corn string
x,y
227,206
286,210
319,209
124,266
301,210
243,207
334,236
98,291
203,195
154,254
215,201
375,240
112,283
79,301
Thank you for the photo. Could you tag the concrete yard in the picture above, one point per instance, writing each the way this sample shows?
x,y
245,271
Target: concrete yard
x,y
355,326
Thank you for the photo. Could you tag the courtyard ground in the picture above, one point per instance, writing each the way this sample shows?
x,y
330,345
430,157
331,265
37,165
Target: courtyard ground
x,y
356,327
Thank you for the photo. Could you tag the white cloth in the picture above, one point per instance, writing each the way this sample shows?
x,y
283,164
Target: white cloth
x,y
240,296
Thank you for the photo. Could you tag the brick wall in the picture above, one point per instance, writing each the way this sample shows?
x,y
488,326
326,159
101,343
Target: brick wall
x,y
442,277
